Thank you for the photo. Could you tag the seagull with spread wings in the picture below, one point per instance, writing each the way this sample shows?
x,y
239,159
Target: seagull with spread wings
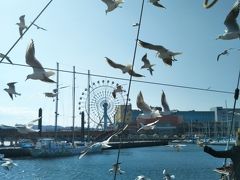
x,y
119,89
156,3
38,71
7,163
11,90
148,126
225,52
27,128
232,31
21,24
125,69
147,65
116,169
167,56
112,4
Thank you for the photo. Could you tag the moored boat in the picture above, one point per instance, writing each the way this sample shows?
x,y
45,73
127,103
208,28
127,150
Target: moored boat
x,y
49,147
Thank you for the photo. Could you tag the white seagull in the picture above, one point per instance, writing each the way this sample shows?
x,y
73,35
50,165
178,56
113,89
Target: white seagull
x,y
225,52
38,71
148,112
166,55
149,126
147,65
26,128
167,176
7,58
112,4
232,31
116,169
7,163
11,90
102,145
142,177
164,103
119,89
125,69
156,3
21,24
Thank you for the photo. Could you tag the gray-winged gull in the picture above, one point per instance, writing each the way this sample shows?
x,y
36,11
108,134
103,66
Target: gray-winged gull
x,y
21,24
11,89
166,55
232,31
147,65
112,4
38,71
125,69
225,52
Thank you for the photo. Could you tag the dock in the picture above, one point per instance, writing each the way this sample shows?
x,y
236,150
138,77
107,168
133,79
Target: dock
x,y
18,152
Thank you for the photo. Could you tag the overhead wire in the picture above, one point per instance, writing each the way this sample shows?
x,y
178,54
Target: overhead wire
x,y
129,88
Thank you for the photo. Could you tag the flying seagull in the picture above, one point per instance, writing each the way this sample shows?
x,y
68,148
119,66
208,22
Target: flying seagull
x,y
162,52
118,89
144,107
125,69
164,103
102,145
21,24
7,163
232,31
7,58
148,126
27,128
112,4
116,169
38,27
156,3
225,52
38,71
11,90
147,64
167,176
142,177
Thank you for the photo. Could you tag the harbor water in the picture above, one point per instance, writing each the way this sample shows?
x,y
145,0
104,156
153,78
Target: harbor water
x,y
188,163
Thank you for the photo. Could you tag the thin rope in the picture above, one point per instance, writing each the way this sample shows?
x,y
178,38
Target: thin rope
x,y
133,80
129,87
236,94
5,55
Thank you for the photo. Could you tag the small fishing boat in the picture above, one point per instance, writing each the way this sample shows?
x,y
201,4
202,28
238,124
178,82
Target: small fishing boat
x,y
49,147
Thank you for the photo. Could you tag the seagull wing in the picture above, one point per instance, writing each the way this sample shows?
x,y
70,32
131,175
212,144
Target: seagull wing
x,y
158,4
133,73
12,86
231,19
145,60
164,102
108,2
31,59
141,104
22,20
219,56
158,48
114,65
150,124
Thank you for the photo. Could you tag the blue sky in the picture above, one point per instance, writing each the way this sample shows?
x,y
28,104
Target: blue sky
x,y
80,34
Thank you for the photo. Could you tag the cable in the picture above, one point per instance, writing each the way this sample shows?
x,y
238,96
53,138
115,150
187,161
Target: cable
x,y
129,87
5,55
133,80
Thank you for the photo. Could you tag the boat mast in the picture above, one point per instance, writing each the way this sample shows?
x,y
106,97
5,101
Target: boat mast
x,y
56,105
73,103
88,96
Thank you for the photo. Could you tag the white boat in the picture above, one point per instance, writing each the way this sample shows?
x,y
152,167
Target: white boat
x,y
49,147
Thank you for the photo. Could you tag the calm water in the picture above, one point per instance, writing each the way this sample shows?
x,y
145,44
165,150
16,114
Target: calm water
x,y
190,163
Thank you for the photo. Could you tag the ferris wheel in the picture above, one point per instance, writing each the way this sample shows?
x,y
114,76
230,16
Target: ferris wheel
x,y
101,101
